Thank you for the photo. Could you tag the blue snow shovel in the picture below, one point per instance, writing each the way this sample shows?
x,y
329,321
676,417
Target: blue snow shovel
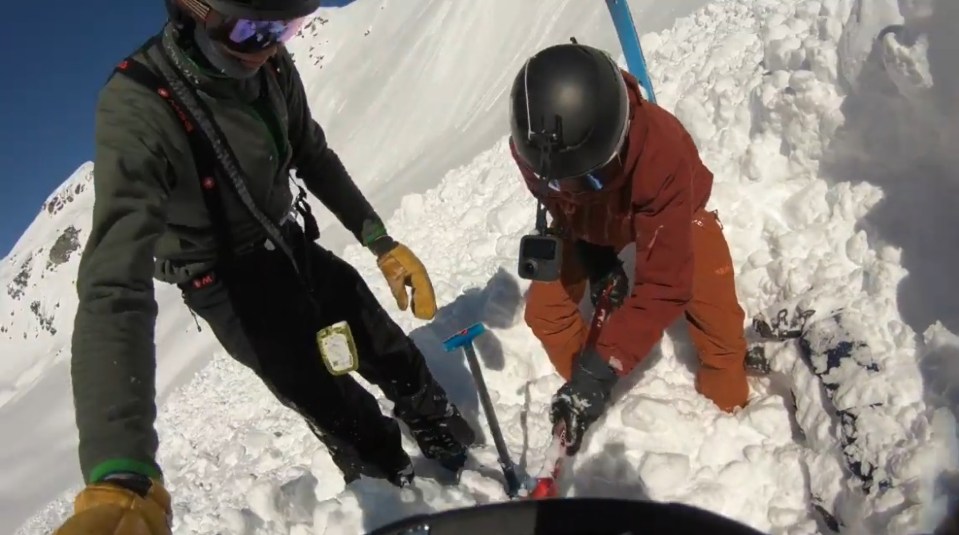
x,y
464,339
632,48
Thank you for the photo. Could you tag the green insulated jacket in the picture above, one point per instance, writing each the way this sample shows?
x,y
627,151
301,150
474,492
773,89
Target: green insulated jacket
x,y
150,222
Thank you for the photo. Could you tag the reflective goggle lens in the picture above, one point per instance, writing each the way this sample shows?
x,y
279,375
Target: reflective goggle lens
x,y
245,35
577,184
595,180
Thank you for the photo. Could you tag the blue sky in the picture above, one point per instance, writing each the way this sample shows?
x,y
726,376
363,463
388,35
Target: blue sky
x,y
56,57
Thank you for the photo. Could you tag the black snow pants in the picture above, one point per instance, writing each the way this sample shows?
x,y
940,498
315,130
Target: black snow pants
x,y
260,311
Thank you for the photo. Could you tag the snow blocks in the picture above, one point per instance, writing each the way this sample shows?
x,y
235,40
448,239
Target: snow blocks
x,y
838,359
851,401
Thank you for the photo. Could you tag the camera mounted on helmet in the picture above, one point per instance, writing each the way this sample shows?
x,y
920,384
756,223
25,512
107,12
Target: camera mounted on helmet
x,y
541,253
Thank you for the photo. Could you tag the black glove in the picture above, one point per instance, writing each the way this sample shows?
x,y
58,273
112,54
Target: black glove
x,y
603,269
581,401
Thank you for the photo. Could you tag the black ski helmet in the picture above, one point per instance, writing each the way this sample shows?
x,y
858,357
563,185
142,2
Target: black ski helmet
x,y
570,101
253,9
265,9
175,13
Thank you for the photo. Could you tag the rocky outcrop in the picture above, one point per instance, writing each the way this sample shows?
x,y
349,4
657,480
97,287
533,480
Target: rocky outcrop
x,y
67,244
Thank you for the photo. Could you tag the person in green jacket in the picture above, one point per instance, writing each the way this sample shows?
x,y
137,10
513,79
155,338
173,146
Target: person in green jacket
x,y
231,240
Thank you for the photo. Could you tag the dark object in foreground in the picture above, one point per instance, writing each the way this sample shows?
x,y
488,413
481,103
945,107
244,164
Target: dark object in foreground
x,y
567,516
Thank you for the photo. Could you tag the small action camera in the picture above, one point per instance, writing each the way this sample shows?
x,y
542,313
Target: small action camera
x,y
540,257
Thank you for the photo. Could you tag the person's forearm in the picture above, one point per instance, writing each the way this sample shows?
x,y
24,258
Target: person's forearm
x,y
329,181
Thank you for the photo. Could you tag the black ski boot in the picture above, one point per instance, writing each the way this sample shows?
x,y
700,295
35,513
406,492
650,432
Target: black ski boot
x,y
397,470
444,439
403,477
385,460
437,426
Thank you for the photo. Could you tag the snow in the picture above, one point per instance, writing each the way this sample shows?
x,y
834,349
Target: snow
x,y
834,155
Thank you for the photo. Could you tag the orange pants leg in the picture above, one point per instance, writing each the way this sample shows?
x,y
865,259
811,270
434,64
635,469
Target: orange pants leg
x,y
552,313
716,318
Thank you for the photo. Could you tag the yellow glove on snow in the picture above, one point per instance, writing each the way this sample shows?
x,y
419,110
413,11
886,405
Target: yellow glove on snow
x,y
109,509
402,268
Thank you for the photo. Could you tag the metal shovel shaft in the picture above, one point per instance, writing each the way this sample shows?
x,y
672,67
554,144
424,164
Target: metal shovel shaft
x,y
512,481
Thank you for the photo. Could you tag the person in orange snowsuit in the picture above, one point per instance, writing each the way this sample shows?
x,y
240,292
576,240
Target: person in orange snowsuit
x,y
613,169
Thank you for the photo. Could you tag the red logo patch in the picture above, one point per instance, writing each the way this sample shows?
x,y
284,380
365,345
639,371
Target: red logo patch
x,y
204,281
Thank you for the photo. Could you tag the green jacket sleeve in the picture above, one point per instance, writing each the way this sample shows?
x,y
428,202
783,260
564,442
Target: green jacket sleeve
x,y
113,354
320,167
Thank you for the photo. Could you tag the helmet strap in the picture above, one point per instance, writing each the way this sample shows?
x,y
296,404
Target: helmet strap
x,y
545,164
548,142
541,227
541,254
543,186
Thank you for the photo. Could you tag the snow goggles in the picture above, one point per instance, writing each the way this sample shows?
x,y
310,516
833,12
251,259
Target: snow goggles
x,y
600,176
594,180
249,36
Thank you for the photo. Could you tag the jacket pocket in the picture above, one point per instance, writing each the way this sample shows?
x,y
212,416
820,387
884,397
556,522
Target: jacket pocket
x,y
208,297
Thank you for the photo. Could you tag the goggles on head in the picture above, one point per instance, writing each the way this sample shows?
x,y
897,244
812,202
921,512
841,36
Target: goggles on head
x,y
600,176
249,36
594,180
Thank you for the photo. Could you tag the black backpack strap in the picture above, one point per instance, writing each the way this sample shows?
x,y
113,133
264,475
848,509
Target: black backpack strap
x,y
200,146
228,162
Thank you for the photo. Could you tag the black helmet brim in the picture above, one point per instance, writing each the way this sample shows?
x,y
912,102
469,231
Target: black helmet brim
x,y
265,9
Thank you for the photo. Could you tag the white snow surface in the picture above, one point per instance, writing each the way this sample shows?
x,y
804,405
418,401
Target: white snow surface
x,y
835,163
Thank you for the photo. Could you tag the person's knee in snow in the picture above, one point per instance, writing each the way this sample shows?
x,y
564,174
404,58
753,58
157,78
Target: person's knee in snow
x,y
715,317
728,389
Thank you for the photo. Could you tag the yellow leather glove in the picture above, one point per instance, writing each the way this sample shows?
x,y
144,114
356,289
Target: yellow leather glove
x,y
109,509
402,268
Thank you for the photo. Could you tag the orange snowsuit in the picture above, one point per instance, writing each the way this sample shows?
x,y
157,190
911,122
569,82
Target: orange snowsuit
x,y
683,264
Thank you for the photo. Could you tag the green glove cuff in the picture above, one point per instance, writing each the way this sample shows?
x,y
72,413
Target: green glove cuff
x,y
372,231
112,466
